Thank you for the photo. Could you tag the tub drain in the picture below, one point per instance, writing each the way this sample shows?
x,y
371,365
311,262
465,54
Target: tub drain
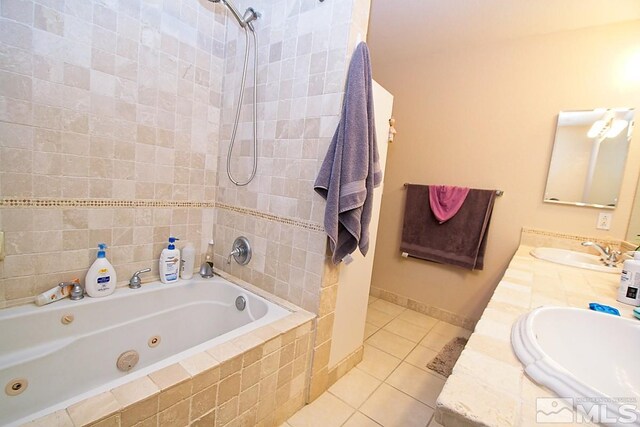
x,y
127,360
241,303
16,386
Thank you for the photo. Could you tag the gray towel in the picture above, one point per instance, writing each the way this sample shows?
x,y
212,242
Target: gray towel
x,y
351,169
461,241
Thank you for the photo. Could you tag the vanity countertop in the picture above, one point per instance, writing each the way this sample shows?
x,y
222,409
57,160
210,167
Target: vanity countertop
x,y
488,386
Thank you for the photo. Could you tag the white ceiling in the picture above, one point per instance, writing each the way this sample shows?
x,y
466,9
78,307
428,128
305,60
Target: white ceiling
x,y
400,28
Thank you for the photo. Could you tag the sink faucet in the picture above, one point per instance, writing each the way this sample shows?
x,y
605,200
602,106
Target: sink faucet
x,y
608,255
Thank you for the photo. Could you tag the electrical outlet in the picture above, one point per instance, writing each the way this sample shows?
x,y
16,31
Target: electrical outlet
x,y
604,220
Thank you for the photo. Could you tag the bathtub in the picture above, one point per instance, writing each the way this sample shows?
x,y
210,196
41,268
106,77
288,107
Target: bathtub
x,y
67,351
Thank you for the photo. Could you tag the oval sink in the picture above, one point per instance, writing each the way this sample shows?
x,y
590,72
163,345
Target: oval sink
x,y
574,259
585,355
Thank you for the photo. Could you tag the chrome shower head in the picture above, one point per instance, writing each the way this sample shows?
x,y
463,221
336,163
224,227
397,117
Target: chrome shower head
x,y
245,21
250,15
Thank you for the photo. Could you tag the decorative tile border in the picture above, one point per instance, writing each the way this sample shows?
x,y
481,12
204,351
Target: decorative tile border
x,y
308,225
102,203
535,237
116,203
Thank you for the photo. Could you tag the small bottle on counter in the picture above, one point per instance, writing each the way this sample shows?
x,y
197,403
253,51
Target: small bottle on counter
x,y
629,292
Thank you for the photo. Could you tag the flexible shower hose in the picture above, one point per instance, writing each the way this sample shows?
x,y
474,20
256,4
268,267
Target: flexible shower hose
x,y
255,108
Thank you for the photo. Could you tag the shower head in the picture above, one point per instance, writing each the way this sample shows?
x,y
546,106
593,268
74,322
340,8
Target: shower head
x,y
245,21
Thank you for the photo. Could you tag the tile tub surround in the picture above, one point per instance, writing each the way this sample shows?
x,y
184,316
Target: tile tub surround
x,y
55,243
105,101
256,379
488,386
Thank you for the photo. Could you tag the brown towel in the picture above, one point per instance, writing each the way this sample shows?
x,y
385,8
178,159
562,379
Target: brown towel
x,y
461,241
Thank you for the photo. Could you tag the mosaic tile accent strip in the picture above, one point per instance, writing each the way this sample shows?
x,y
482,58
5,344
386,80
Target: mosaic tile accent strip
x,y
308,225
535,237
101,203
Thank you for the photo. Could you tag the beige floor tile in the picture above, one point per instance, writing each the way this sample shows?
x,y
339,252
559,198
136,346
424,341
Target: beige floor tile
x,y
417,383
406,330
420,356
444,328
436,341
391,343
434,423
392,408
377,363
360,420
326,411
372,299
355,387
387,307
370,329
419,319
377,317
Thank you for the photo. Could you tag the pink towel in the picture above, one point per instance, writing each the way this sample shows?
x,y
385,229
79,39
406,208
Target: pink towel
x,y
446,200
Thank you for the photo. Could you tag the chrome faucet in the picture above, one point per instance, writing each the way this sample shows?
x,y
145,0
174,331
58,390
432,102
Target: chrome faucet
x,y
77,292
608,255
135,282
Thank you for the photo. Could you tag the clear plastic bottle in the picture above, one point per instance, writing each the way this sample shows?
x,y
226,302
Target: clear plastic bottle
x,y
187,262
208,258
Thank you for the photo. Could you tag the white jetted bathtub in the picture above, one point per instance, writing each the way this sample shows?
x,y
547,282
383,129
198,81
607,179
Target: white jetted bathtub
x,y
56,355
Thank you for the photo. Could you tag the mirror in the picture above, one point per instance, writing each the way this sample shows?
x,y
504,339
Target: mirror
x,y
589,154
633,232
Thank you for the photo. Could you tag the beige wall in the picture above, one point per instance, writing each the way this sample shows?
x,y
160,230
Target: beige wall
x,y
485,117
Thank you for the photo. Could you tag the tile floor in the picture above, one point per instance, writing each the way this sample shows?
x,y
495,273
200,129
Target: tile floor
x,y
392,386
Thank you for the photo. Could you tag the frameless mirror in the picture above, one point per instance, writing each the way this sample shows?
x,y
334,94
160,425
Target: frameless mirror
x,y
633,232
589,155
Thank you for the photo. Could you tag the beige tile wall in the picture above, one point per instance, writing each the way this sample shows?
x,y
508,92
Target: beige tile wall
x,y
105,99
305,49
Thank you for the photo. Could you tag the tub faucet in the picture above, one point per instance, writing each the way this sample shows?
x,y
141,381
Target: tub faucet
x,y
135,282
77,292
608,255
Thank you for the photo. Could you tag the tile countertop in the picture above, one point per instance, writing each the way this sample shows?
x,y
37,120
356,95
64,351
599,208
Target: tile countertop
x,y
488,386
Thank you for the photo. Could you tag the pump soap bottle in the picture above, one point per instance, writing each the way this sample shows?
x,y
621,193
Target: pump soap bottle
x,y
629,292
101,278
170,262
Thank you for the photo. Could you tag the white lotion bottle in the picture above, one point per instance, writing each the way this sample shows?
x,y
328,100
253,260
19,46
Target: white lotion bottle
x,y
188,261
170,262
101,278
629,292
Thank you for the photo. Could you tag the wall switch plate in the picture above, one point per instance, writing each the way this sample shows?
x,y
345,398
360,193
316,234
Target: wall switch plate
x,y
604,220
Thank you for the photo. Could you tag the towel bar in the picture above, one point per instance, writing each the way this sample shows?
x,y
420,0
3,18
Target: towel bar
x,y
498,192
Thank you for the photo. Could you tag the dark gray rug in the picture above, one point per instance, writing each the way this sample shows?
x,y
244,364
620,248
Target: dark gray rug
x,y
447,357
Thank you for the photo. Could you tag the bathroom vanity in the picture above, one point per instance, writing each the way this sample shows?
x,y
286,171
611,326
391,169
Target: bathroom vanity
x,y
488,385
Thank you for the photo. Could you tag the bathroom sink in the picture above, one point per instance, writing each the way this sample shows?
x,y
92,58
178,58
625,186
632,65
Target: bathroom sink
x,y
574,259
588,356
